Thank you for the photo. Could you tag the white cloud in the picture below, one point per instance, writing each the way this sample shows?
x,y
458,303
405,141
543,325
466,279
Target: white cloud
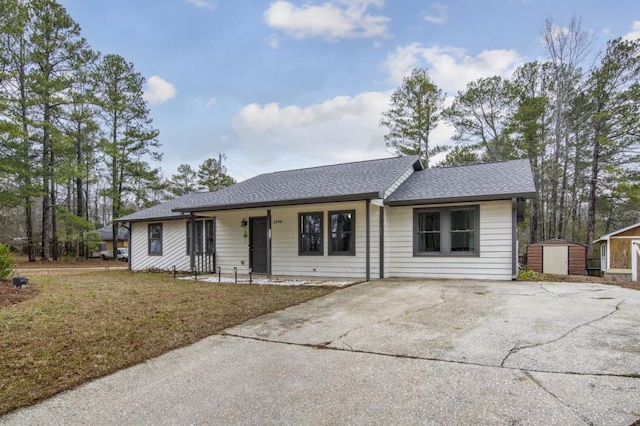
x,y
158,90
451,68
331,20
634,34
202,4
273,41
400,62
211,102
342,128
438,15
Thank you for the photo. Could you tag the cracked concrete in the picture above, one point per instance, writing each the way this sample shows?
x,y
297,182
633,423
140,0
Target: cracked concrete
x,y
518,348
392,351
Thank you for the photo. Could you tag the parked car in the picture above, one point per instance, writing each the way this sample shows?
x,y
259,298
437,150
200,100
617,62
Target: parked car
x,y
122,253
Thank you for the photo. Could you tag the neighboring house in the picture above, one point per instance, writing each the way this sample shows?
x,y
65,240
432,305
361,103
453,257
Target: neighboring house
x,y
368,219
617,250
106,237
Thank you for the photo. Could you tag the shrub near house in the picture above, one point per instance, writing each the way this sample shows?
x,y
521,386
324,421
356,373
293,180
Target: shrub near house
x,y
6,262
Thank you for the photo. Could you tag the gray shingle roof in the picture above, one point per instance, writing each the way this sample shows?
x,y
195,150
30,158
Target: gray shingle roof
x,y
477,182
340,182
106,233
163,210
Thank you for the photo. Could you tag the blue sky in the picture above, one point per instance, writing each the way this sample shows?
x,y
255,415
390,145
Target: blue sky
x,y
277,85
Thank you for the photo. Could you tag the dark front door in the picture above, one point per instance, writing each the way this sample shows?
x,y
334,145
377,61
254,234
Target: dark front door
x,y
258,244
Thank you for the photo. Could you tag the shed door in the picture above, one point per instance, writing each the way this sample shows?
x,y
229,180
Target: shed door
x,y
555,260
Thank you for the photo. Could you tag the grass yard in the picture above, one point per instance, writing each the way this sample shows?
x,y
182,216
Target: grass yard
x,y
74,326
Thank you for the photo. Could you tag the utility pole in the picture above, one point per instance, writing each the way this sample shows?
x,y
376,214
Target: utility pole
x,y
221,170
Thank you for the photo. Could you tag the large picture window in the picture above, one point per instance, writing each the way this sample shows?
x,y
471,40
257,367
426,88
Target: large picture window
x,y
155,239
342,225
452,231
310,234
204,237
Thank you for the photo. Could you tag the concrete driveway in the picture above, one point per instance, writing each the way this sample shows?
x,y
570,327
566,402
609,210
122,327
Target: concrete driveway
x,y
392,352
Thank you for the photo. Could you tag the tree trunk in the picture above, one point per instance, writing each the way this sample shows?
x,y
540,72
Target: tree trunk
x,y
26,144
563,192
31,251
553,199
46,185
55,252
535,204
593,185
79,184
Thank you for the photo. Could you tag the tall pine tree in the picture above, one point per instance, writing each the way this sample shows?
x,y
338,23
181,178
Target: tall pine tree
x,y
130,135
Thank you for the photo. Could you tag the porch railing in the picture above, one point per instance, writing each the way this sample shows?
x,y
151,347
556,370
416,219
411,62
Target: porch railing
x,y
205,262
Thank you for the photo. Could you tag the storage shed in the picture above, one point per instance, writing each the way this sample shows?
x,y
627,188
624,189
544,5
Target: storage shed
x,y
559,257
616,251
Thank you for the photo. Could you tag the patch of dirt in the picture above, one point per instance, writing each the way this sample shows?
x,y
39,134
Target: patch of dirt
x,y
10,295
588,279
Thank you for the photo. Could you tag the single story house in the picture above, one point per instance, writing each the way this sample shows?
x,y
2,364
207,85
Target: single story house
x,y
106,237
617,251
369,219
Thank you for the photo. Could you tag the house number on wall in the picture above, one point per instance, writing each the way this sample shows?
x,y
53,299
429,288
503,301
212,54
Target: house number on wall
x,y
277,221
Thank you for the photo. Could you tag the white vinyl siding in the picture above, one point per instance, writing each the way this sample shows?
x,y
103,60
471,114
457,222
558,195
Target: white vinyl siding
x,y
494,260
387,252
232,247
285,259
173,247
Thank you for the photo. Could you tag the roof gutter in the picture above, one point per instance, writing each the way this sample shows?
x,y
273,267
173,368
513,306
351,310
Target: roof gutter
x,y
317,200
491,197
151,219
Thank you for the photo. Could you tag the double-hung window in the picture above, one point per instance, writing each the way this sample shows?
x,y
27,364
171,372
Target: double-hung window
x,y
342,230
428,232
154,234
451,231
310,234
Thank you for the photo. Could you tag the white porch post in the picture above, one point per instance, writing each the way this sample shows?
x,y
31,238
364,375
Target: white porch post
x,y
635,252
192,243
